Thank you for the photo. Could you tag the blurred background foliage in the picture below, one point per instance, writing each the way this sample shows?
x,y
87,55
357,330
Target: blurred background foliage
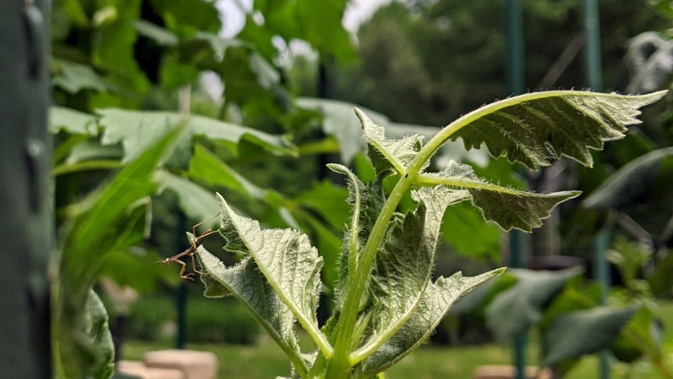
x,y
262,110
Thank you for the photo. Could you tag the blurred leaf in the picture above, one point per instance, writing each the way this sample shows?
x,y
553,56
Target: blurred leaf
x,y
100,337
317,23
465,229
514,310
174,74
186,17
138,130
477,300
92,150
208,167
661,280
71,121
197,202
576,296
665,7
629,182
329,201
74,77
107,221
583,332
160,35
644,333
139,269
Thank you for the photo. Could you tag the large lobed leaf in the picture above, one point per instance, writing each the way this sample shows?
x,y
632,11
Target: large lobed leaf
x,y
536,128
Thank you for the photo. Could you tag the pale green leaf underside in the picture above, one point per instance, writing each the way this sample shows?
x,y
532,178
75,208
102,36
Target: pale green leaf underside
x,y
136,130
286,259
507,207
246,282
435,302
71,121
537,128
405,263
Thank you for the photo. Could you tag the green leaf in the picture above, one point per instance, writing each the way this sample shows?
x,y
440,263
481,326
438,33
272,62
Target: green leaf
x,y
629,182
138,130
522,305
583,332
388,154
208,167
194,200
71,121
437,300
507,207
286,259
366,202
186,17
246,282
160,35
644,334
94,231
74,77
477,300
465,230
98,332
536,128
338,121
327,199
404,264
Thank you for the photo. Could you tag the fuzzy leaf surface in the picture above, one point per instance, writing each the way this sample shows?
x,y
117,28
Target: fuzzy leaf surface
x,y
507,207
388,154
537,128
246,282
436,301
286,259
404,265
366,201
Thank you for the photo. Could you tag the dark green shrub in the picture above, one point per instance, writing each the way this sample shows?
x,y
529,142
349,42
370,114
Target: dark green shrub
x,y
148,315
225,322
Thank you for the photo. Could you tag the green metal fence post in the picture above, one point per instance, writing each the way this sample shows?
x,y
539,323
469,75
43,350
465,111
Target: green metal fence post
x,y
26,227
515,63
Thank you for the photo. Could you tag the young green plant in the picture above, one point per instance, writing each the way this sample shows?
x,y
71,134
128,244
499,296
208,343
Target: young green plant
x,y
385,303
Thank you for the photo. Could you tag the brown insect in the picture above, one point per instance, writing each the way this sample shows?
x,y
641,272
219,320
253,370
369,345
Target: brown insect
x,y
190,252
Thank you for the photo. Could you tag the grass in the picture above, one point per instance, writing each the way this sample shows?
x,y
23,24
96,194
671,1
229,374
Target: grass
x,y
266,360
